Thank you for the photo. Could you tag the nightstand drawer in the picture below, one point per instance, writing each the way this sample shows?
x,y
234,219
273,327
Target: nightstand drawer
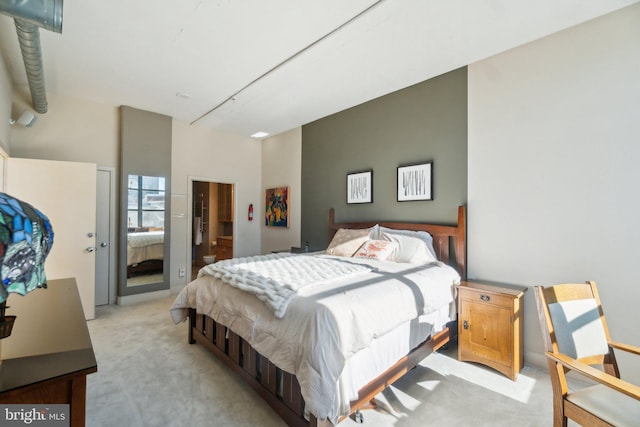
x,y
486,297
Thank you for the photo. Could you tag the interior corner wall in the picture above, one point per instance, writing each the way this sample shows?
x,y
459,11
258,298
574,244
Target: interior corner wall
x,y
421,123
553,169
205,154
281,167
5,106
72,130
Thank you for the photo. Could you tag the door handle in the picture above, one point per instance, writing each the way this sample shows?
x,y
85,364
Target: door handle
x,y
465,324
91,249
103,245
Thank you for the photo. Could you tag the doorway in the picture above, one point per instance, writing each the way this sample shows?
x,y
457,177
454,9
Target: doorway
x,y
212,220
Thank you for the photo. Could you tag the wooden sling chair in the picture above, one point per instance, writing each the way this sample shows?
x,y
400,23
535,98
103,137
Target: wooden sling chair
x,y
576,337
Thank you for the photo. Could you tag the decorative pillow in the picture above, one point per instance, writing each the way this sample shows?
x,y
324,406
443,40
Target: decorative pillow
x,y
376,249
412,246
347,241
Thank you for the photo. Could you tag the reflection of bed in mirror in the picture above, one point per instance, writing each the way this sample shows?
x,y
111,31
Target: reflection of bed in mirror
x,y
145,251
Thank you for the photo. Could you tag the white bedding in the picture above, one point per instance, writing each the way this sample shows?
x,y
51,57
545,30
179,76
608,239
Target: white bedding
x,y
276,278
328,323
144,246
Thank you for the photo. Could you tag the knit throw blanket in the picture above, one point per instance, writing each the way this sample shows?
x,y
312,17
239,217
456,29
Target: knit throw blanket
x,y
276,278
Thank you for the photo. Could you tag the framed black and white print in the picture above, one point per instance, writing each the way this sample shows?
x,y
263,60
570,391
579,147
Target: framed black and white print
x,y
360,187
415,183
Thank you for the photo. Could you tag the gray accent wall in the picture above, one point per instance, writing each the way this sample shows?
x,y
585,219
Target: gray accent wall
x,y
426,122
145,149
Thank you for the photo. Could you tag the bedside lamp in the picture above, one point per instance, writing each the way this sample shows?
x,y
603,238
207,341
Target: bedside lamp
x,y
26,238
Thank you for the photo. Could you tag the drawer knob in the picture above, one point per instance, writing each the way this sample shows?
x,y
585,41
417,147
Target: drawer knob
x,y
485,298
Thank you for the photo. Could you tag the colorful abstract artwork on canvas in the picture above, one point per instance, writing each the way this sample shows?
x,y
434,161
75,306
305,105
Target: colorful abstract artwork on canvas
x,y
277,207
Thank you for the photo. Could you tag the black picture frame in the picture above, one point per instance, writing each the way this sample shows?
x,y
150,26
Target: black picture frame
x,y
360,187
415,182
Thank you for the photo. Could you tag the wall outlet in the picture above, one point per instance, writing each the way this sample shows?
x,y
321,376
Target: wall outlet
x,y
181,271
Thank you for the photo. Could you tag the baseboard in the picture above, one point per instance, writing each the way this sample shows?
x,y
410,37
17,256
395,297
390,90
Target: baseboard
x,y
144,297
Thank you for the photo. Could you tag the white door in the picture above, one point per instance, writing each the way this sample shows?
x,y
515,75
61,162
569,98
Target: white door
x,y
105,229
66,193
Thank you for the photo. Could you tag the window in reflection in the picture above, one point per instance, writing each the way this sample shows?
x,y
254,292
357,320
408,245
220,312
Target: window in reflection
x,y
146,195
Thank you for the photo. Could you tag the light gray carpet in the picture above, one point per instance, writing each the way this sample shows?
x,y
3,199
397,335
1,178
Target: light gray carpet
x,y
149,376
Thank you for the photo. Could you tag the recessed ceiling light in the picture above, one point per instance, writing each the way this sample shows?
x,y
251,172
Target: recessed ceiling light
x,y
183,95
259,135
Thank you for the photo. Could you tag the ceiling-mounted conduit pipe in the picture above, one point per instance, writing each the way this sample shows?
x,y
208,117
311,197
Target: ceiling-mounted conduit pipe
x,y
29,38
29,16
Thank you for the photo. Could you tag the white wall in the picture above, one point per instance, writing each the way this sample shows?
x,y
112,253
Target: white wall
x,y
72,130
282,167
553,169
203,154
5,106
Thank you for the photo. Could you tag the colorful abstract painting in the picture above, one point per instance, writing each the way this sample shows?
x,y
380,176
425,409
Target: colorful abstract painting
x,y
277,207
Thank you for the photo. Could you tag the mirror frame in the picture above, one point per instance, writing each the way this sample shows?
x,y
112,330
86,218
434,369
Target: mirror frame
x,y
124,289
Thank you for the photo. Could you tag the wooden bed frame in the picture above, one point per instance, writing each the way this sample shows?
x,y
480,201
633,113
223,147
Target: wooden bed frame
x,y
280,389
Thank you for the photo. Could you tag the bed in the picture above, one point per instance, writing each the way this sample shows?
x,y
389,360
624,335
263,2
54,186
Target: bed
x,y
145,251
376,317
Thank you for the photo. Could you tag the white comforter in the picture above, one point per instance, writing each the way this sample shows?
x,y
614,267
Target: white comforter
x,y
326,323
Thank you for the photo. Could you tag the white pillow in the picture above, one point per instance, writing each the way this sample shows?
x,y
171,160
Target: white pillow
x,y
414,247
347,241
376,249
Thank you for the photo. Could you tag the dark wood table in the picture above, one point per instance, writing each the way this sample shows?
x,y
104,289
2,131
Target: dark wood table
x,y
49,354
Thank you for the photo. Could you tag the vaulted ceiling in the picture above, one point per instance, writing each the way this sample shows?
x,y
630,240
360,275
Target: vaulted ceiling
x,y
270,65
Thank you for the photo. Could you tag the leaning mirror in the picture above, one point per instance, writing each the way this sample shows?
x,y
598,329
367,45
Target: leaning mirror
x,y
145,229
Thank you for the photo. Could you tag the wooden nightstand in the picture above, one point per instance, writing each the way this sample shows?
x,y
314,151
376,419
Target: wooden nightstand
x,y
490,326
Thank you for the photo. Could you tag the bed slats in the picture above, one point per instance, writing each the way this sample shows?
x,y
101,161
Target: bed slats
x,y
268,375
220,338
280,388
249,359
291,393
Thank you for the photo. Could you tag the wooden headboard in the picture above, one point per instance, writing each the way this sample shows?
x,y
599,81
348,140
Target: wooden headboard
x,y
449,241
